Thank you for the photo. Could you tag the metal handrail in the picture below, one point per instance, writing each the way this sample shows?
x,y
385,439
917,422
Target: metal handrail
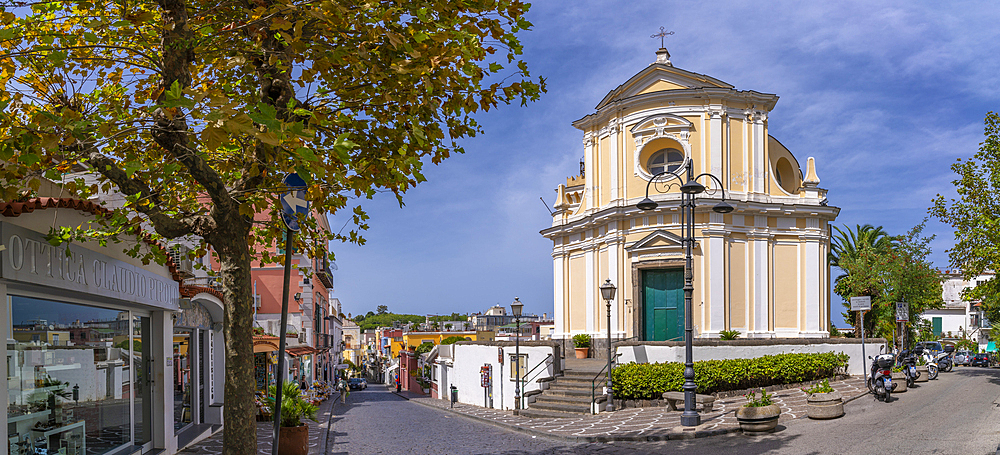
x,y
593,383
525,380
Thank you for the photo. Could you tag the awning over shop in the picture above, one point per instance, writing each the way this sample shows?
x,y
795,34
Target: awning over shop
x,y
300,350
991,347
265,344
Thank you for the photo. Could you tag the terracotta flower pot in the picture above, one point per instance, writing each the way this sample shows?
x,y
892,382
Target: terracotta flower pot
x,y
824,405
899,381
294,440
758,420
582,353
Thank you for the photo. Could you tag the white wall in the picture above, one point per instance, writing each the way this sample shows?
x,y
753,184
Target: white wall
x,y
660,354
469,358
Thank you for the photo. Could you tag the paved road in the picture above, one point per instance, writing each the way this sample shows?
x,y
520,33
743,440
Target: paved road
x,y
952,415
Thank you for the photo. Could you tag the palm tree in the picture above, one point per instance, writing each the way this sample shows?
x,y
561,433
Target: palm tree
x,y
848,250
849,243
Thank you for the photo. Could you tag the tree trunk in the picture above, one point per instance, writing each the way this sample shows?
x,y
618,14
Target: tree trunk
x,y
240,431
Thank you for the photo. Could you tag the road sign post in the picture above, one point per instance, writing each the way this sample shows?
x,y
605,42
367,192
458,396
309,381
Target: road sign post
x,y
293,202
861,305
902,317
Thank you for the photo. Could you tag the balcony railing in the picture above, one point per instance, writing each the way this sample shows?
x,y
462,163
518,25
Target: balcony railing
x,y
323,271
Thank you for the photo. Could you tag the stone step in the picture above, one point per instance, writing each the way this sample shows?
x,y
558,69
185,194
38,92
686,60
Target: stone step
x,y
571,391
568,400
579,409
572,380
533,413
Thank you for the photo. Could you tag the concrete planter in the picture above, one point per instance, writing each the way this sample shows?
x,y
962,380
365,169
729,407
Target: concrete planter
x,y
582,353
758,420
924,376
824,405
899,381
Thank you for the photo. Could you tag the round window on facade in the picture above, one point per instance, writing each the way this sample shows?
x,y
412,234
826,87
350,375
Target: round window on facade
x,y
665,159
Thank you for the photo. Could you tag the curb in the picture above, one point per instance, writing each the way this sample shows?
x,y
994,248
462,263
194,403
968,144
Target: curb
x,y
660,436
329,424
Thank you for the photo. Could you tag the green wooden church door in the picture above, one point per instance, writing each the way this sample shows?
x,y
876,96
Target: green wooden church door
x,y
663,299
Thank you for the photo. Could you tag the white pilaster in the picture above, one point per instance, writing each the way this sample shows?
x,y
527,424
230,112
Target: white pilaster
x,y
613,157
6,325
717,277
614,276
760,169
589,258
812,271
716,141
761,277
557,285
163,375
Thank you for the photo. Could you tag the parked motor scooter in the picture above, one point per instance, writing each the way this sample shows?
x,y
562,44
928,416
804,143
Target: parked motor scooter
x,y
909,363
880,379
945,362
930,359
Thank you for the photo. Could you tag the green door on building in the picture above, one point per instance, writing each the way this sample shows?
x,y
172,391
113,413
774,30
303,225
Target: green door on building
x,y
663,299
936,324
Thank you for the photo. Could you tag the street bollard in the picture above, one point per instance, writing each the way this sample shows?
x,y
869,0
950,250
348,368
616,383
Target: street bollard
x,y
454,395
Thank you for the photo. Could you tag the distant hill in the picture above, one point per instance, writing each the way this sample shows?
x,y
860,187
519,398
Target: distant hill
x,y
374,321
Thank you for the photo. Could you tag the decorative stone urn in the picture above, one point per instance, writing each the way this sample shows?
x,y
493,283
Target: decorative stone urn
x,y
758,420
924,376
824,405
899,382
582,353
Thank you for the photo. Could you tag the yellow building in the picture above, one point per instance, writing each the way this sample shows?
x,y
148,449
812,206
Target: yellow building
x,y
414,339
761,270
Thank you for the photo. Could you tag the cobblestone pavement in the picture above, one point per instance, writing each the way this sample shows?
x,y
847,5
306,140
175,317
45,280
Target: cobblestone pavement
x,y
642,424
317,434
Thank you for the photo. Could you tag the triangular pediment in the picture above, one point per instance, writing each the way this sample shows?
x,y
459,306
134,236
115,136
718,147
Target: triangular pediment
x,y
658,240
661,77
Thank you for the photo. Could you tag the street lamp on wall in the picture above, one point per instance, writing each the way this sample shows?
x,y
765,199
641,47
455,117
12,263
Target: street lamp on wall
x,y
608,293
515,309
689,189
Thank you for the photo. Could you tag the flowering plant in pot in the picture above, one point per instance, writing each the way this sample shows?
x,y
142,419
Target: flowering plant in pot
x,y
759,415
822,402
294,437
582,343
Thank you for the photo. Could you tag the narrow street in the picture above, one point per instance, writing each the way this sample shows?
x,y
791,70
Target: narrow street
x,y
954,414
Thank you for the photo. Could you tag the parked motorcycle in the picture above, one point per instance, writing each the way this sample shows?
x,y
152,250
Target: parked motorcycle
x,y
880,379
945,362
930,358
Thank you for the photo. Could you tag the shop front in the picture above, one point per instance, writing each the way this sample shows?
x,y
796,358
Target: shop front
x,y
88,330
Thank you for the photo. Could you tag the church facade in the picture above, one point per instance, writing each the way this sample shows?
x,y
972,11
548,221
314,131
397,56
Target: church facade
x,y
761,270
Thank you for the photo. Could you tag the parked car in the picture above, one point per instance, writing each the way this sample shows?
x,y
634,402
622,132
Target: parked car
x,y
963,357
357,383
933,347
981,360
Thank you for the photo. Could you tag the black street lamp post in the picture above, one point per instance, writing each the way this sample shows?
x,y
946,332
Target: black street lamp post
x,y
608,292
689,189
515,308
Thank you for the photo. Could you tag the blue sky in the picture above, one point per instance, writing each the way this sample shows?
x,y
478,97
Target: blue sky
x,y
885,96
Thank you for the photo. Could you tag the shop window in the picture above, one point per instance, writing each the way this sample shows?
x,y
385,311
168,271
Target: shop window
x,y
67,397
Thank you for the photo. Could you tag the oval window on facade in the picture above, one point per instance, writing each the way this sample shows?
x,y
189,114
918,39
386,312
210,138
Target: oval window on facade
x,y
665,159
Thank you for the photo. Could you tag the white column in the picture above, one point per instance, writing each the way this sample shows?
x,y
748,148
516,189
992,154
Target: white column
x,y
163,378
589,259
5,324
557,286
717,277
613,274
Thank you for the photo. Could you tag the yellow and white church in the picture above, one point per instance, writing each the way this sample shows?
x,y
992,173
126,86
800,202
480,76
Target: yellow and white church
x,y
761,270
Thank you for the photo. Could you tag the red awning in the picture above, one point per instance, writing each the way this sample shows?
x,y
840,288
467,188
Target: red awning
x,y
300,350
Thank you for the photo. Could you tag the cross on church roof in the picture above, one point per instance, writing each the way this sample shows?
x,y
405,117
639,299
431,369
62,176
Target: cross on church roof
x,y
663,33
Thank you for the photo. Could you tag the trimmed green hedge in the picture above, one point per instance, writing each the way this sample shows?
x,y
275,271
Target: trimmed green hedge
x,y
645,381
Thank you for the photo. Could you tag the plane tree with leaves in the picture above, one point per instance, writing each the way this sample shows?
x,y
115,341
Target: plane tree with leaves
x,y
975,218
194,110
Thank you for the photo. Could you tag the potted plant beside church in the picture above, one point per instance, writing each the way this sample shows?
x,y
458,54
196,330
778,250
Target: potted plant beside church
x,y
582,343
294,437
822,402
758,415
